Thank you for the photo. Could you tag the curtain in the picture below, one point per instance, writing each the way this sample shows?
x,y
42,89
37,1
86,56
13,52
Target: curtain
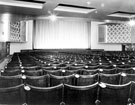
x,y
61,34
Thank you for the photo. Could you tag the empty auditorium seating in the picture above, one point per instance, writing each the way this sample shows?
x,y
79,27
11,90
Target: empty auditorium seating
x,y
125,70
10,81
56,80
114,94
12,95
89,72
84,80
33,72
11,73
108,71
44,95
127,78
50,78
80,95
38,81
110,78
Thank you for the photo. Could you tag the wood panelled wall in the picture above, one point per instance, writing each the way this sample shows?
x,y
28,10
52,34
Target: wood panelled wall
x,y
4,49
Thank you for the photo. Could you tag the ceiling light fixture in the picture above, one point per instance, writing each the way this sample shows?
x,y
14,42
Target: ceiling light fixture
x,y
88,2
102,4
21,4
73,8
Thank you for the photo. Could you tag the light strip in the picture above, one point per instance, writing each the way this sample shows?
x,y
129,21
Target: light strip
x,y
21,4
73,9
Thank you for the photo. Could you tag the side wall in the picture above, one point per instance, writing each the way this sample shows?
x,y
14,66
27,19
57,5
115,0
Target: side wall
x,y
3,50
94,40
17,47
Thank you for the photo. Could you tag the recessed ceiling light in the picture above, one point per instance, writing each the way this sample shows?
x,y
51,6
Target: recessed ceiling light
x,y
102,4
74,8
88,2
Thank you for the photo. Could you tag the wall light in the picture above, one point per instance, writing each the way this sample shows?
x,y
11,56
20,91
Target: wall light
x,y
53,17
131,22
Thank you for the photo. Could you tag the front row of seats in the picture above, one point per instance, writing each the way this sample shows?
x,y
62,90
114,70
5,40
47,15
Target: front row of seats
x,y
65,94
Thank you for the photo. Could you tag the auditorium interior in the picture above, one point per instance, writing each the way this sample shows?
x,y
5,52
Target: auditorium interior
x,y
67,52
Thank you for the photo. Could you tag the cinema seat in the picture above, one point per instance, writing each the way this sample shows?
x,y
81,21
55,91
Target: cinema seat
x,y
125,70
33,73
33,67
11,73
56,80
12,95
54,72
114,94
87,67
85,80
80,95
89,72
110,78
108,71
132,93
38,81
127,78
10,81
44,95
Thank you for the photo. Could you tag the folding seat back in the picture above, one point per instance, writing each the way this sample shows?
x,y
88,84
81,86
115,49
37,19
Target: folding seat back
x,y
33,67
132,93
74,67
89,72
80,95
10,81
33,73
123,66
110,78
127,78
56,80
12,95
125,70
106,66
54,72
11,73
90,67
69,72
85,80
12,68
108,71
114,94
44,95
39,81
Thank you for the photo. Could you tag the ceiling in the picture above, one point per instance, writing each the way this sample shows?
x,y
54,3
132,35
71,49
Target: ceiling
x,y
103,8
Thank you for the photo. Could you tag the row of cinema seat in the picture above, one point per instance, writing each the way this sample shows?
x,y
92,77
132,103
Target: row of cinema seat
x,y
75,80
53,79
35,91
63,72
